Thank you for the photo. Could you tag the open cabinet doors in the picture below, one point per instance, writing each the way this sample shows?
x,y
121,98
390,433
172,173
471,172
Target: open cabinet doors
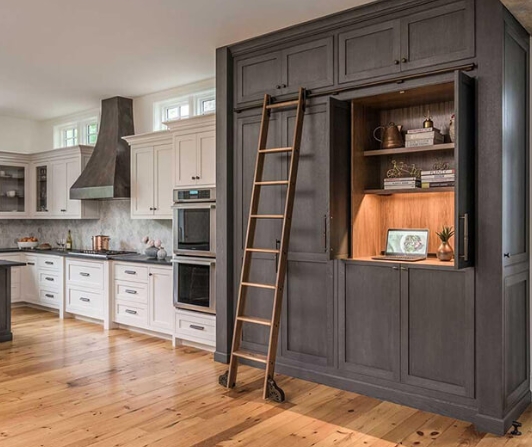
x,y
465,170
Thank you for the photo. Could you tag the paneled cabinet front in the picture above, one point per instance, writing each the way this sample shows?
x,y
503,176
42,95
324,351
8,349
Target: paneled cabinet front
x,y
151,182
194,159
309,65
431,37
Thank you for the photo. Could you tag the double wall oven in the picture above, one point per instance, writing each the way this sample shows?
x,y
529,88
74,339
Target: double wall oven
x,y
194,249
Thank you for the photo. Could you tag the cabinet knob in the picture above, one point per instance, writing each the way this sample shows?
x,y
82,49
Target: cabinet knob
x,y
197,177
395,267
283,85
396,62
507,255
154,209
278,86
404,60
150,274
151,208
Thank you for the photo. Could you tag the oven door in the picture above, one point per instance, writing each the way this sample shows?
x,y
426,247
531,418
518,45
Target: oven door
x,y
194,229
194,284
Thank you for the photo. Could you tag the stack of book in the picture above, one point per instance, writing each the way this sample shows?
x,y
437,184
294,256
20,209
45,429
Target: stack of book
x,y
423,137
402,183
437,179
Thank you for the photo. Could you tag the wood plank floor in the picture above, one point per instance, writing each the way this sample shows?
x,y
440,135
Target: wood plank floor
x,y
71,384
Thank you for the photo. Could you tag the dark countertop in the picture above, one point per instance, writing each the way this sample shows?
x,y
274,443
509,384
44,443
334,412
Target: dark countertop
x,y
142,259
139,258
8,264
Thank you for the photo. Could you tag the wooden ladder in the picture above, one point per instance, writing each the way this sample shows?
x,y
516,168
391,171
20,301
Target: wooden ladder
x,y
271,390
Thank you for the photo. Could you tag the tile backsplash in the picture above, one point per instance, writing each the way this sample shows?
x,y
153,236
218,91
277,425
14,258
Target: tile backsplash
x,y
115,222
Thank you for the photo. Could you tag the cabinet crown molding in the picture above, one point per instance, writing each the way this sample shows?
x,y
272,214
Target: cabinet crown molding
x,y
194,123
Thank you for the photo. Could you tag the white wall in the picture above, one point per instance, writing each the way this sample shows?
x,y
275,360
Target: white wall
x,y
18,134
30,136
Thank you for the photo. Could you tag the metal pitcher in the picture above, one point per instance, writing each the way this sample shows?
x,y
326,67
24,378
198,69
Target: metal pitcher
x,y
390,137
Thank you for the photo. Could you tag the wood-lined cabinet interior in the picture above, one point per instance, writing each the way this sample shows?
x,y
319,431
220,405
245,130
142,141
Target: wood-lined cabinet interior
x,y
376,209
408,324
408,43
308,65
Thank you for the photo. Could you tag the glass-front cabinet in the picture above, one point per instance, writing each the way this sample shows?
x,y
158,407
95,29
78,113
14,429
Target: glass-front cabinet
x,y
13,188
41,189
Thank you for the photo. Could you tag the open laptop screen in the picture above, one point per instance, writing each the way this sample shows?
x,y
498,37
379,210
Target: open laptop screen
x,y
407,242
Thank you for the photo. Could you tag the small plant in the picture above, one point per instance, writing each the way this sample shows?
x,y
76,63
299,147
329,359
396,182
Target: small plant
x,y
445,234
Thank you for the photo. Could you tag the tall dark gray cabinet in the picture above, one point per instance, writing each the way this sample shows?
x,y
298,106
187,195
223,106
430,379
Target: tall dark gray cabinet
x,y
449,338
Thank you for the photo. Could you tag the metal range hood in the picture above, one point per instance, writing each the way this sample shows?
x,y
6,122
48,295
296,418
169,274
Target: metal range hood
x,y
107,174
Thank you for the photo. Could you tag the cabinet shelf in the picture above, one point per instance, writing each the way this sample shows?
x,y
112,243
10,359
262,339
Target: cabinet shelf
x,y
387,192
409,150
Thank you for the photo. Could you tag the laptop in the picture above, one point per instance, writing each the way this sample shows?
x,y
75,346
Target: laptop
x,y
405,245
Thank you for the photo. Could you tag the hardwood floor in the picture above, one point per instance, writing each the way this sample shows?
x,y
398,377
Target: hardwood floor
x,y
70,384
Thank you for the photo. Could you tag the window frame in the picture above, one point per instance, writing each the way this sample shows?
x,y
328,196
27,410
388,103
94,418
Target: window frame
x,y
81,130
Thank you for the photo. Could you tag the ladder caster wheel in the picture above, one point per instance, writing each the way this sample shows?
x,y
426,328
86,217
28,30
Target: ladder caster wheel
x,y
515,431
223,380
275,393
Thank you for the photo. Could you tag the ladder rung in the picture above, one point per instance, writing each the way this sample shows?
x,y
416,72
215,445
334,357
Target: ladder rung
x,y
276,150
264,250
267,216
258,285
272,183
281,105
255,320
251,356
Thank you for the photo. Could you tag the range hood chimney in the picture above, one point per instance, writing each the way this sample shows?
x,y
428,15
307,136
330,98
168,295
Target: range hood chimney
x,y
107,174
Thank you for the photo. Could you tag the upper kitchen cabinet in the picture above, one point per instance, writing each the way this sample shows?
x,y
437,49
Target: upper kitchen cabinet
x,y
13,186
430,37
308,65
151,175
52,175
194,151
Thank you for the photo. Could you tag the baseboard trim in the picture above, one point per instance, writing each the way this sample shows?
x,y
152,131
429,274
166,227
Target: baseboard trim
x,y
498,426
221,357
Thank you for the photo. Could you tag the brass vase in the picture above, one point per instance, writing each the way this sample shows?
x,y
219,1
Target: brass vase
x,y
445,252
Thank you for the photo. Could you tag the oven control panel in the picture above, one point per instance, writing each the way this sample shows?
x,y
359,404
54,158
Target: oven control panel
x,y
194,195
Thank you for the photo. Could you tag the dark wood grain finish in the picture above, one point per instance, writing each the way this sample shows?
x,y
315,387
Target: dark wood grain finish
x,y
5,305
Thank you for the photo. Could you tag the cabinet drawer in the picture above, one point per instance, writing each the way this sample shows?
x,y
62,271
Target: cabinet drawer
x,y
131,272
131,313
50,263
134,292
196,327
48,279
49,298
86,274
85,303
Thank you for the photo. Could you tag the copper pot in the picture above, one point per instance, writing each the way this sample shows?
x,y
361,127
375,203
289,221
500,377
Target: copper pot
x,y
100,242
391,136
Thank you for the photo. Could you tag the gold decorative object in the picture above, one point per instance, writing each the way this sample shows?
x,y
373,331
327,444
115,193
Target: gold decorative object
x,y
402,169
391,136
440,165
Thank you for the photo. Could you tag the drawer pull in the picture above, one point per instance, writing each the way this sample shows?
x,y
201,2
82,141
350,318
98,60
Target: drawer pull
x,y
132,312
84,274
49,262
198,328
48,295
31,263
132,292
85,300
49,279
130,272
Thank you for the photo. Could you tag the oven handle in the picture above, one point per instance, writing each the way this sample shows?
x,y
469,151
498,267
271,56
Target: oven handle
x,y
205,205
194,261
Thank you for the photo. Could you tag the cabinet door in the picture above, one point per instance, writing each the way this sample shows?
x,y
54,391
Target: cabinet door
x,y
73,171
59,190
438,330
369,52
465,168
515,148
310,65
369,320
14,190
307,327
185,160
161,308
30,283
258,75
42,187
438,35
163,182
142,182
206,158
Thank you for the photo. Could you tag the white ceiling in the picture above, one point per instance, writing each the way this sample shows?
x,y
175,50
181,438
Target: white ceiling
x,y
63,56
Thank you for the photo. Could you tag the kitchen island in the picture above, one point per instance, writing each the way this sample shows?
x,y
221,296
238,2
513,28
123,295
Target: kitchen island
x,y
5,299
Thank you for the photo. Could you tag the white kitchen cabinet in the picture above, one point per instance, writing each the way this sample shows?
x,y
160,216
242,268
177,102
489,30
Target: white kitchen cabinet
x,y
53,173
30,279
16,276
142,296
14,186
195,328
151,175
195,160
160,301
42,280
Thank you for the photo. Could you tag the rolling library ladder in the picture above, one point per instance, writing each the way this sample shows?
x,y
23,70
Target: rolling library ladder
x,y
271,390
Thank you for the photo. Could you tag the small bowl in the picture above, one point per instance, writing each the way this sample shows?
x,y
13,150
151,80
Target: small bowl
x,y
27,244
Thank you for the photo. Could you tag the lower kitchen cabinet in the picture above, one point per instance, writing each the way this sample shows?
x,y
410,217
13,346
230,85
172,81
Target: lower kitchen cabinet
x,y
195,327
409,324
16,277
142,297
